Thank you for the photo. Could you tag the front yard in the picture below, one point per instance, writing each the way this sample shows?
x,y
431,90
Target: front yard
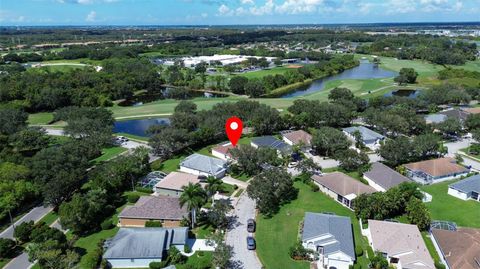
x,y
447,207
275,236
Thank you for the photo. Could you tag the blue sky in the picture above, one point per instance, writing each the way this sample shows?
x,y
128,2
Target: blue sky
x,y
211,12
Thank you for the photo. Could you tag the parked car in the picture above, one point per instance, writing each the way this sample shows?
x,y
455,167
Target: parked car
x,y
251,225
251,243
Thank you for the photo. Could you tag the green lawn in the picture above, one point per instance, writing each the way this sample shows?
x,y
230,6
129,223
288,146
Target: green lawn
x,y
430,246
108,154
41,118
50,218
266,72
276,235
449,208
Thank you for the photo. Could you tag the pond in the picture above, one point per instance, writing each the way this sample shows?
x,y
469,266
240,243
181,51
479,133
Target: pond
x,y
167,93
365,70
138,127
404,93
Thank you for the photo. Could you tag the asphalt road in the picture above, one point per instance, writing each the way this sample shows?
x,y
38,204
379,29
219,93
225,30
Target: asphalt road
x,y
35,214
237,235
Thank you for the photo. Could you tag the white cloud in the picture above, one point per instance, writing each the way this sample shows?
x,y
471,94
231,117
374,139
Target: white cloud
x,y
204,15
224,10
245,2
266,9
91,17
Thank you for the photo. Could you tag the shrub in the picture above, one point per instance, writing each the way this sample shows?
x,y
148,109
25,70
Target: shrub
x,y
6,247
357,266
133,197
235,186
187,249
298,252
184,222
200,253
105,265
106,224
93,259
358,251
314,187
144,190
157,265
153,223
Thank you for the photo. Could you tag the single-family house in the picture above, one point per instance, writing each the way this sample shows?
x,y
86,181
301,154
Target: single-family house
x,y
222,151
455,113
472,110
298,138
466,189
172,184
271,142
202,165
435,118
401,244
458,249
370,138
436,170
383,178
165,209
341,187
331,238
138,247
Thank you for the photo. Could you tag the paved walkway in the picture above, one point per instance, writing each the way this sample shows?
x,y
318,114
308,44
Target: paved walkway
x,y
232,181
237,235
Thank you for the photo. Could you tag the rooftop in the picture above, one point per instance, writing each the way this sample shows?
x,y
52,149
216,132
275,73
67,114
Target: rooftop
x,y
224,149
343,184
437,167
137,243
204,163
460,248
366,133
155,208
298,137
468,185
340,228
455,113
402,241
271,142
435,118
385,176
176,180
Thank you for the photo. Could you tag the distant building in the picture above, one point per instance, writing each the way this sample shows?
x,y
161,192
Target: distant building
x,y
458,249
202,165
466,189
435,118
342,188
434,171
172,184
271,142
370,138
331,238
401,244
455,113
138,247
164,209
298,138
383,178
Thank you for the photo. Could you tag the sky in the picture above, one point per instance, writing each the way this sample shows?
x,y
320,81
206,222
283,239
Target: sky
x,y
224,12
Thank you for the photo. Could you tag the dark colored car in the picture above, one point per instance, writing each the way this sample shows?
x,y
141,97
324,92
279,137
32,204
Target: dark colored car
x,y
251,225
251,243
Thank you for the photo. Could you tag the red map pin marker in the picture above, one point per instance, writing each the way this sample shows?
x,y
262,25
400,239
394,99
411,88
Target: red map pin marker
x,y
233,128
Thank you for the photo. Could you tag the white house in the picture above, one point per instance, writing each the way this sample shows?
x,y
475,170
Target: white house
x,y
370,138
222,151
331,238
466,189
298,138
201,165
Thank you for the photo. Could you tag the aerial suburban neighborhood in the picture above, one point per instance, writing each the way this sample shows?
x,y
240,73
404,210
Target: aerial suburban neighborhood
x,y
249,134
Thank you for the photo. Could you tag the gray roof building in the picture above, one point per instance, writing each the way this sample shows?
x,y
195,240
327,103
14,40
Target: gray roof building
x,y
384,176
204,164
456,113
435,118
468,185
271,142
368,136
144,243
334,233
155,208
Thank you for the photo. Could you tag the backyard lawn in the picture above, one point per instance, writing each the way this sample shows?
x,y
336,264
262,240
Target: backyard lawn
x,y
276,235
41,118
108,154
449,208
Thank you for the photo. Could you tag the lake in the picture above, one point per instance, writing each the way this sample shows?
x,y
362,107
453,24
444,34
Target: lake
x,y
138,127
365,70
404,93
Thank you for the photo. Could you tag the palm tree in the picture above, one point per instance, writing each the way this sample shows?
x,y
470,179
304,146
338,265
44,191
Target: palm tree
x,y
194,197
213,185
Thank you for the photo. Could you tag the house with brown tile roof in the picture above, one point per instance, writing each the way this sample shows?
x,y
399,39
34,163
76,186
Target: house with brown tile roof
x,y
341,187
222,151
165,209
172,184
298,137
458,249
402,244
472,110
436,170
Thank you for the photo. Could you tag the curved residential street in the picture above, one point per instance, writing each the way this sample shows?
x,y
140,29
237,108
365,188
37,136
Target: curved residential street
x,y
237,235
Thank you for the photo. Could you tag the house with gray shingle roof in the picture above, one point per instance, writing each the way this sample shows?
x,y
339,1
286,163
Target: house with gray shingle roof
x,y
370,138
271,142
164,209
466,189
138,247
198,164
383,178
331,238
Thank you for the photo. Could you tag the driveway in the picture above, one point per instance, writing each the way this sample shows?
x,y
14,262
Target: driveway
x,y
35,214
232,181
331,163
237,235
454,148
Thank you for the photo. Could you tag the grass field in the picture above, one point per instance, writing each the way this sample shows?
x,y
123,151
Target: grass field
x,y
266,72
276,235
447,207
41,118
108,154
